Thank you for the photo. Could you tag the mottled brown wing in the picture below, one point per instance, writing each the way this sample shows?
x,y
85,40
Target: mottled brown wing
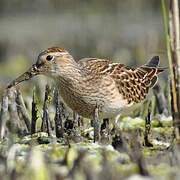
x,y
134,83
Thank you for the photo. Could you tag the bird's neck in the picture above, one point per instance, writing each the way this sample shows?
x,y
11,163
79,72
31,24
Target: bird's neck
x,y
71,76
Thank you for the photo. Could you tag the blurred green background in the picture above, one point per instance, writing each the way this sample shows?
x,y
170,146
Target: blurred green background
x,y
126,31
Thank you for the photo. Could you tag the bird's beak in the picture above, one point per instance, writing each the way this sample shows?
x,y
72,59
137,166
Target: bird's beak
x,y
31,72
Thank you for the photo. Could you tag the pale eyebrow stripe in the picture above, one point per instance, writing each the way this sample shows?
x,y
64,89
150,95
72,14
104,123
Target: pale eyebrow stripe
x,y
59,53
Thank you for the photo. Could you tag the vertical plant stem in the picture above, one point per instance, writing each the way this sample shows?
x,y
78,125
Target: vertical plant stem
x,y
34,114
175,9
147,130
173,50
46,119
15,125
96,123
3,116
168,46
22,109
59,127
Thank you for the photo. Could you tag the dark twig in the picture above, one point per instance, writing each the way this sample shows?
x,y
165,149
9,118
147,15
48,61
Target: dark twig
x,y
96,124
118,141
147,130
4,113
46,120
22,109
34,114
68,126
59,127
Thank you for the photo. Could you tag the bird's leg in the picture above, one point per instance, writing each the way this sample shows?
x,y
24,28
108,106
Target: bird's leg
x,y
96,124
115,124
76,124
116,121
105,130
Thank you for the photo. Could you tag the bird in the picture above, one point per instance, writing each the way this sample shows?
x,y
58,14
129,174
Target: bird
x,y
89,83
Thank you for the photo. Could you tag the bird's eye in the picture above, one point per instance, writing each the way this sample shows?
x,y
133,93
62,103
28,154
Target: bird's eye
x,y
49,57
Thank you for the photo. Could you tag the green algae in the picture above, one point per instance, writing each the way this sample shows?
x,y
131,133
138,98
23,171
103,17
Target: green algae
x,y
128,123
95,153
37,166
148,152
58,151
162,169
127,169
61,158
163,130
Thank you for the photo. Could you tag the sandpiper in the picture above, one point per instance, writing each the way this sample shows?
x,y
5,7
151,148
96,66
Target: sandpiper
x,y
89,83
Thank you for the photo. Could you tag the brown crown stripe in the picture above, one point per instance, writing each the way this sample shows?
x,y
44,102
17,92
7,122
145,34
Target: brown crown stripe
x,y
54,49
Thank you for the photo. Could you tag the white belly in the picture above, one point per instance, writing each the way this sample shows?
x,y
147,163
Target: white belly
x,y
112,109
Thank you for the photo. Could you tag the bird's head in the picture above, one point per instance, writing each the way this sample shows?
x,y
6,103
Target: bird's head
x,y
52,62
